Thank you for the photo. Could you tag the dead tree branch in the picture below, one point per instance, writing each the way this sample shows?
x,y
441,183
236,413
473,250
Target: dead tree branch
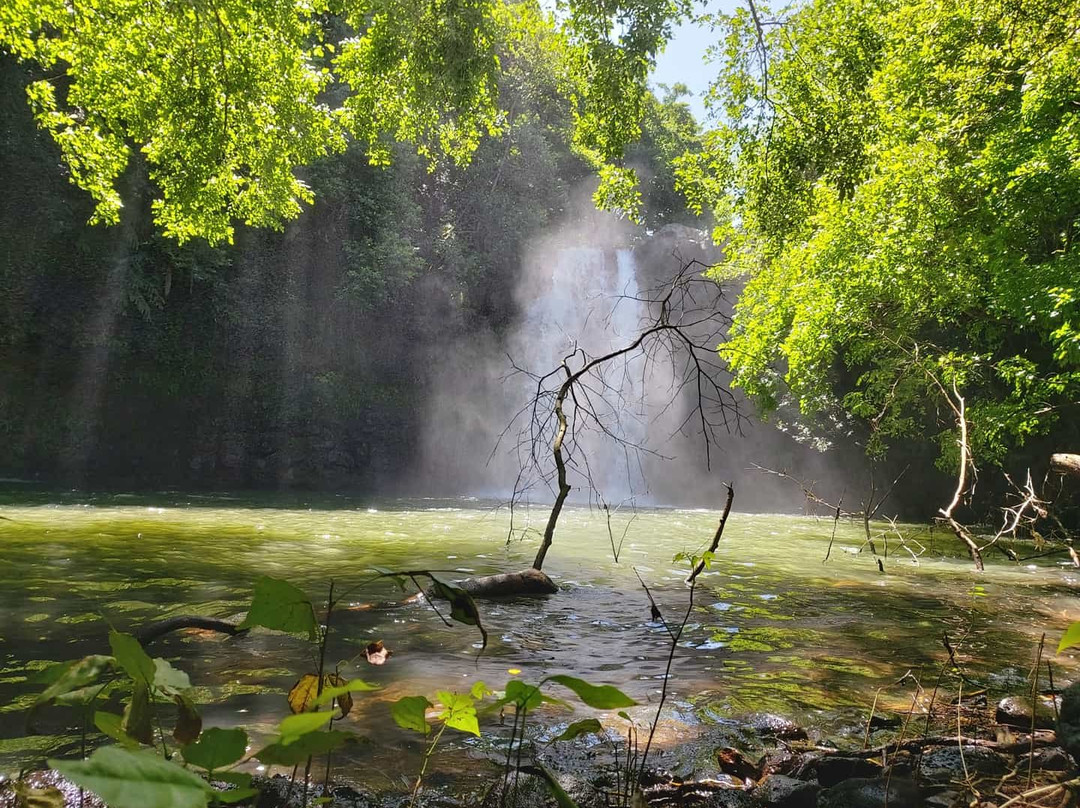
x,y
586,393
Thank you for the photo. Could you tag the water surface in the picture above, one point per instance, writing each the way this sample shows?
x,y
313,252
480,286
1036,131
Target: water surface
x,y
774,628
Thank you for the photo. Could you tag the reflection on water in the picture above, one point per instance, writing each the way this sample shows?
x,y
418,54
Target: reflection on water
x,y
774,628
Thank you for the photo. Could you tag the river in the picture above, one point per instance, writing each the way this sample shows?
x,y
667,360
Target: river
x,y
774,628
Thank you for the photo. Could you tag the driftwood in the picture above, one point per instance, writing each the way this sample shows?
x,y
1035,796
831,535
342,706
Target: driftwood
x,y
152,631
507,584
1065,464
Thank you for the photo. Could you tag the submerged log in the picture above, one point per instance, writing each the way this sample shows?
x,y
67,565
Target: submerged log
x,y
1065,464
508,585
153,631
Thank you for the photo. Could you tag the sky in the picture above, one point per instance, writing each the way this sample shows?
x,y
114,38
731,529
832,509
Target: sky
x,y
683,59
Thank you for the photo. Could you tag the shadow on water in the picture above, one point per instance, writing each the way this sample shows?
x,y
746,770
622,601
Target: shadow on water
x,y
774,629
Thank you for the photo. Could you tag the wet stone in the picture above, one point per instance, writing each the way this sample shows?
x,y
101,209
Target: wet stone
x,y
945,763
873,792
1015,711
776,726
833,769
781,791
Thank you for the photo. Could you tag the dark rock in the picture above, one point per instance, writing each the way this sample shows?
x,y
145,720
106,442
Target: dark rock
x,y
944,764
780,791
1068,730
1015,711
1052,759
883,721
871,793
734,763
776,726
832,769
584,793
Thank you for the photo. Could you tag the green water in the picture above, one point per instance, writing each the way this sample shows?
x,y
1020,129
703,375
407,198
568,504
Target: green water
x,y
774,628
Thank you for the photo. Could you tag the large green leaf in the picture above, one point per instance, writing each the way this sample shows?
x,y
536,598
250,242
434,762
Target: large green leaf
x,y
600,697
132,658
1070,638
459,712
280,606
410,713
127,779
295,726
309,745
216,748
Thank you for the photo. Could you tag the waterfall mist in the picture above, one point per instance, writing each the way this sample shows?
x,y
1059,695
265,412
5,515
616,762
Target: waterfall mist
x,y
581,292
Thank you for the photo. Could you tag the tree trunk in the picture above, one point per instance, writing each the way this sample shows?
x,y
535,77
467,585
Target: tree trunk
x,y
1065,464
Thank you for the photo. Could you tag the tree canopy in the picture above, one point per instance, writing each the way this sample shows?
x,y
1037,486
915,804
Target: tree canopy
x,y
224,100
900,182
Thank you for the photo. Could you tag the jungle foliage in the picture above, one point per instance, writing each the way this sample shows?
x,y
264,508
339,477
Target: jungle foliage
x,y
224,101
900,182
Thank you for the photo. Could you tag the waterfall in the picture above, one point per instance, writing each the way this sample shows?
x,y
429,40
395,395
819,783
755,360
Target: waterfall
x,y
586,300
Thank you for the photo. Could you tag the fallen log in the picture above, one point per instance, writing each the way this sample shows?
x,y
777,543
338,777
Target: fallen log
x,y
1064,463
507,585
153,631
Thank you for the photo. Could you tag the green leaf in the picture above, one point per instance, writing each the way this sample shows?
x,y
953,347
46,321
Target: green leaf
x,y
310,745
524,696
459,712
462,606
127,779
216,748
599,697
479,690
74,676
168,679
1070,638
111,724
280,606
586,726
410,713
295,726
132,658
352,686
